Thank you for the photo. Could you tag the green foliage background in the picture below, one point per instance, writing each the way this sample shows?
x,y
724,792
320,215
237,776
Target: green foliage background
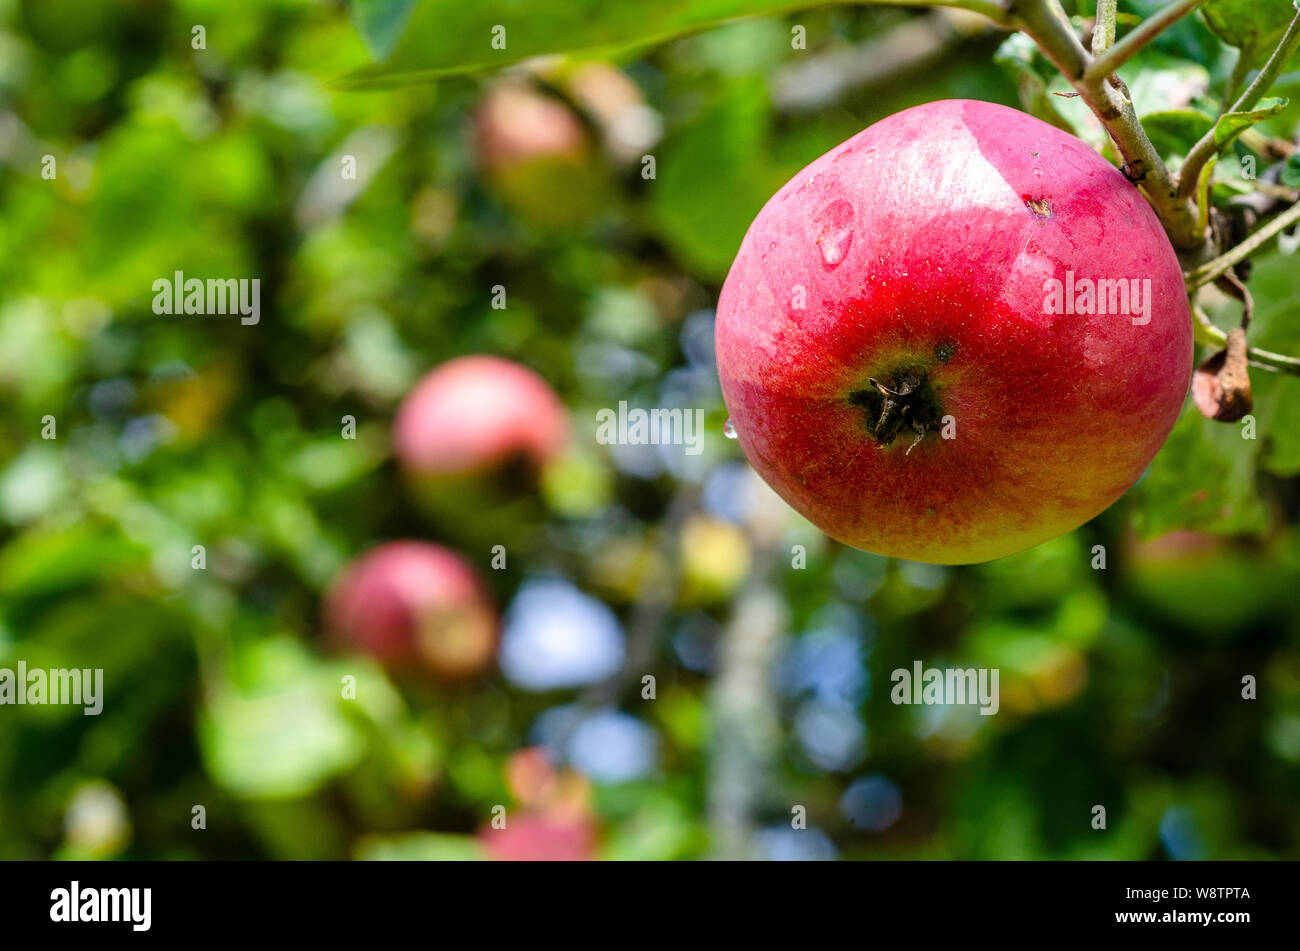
x,y
1121,687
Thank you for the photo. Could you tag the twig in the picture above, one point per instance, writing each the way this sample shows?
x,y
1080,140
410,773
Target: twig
x,y
1133,43
1210,270
1212,336
1208,146
1103,34
1232,285
1203,197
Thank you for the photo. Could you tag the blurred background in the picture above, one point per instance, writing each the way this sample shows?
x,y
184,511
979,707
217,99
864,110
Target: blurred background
x,y
392,635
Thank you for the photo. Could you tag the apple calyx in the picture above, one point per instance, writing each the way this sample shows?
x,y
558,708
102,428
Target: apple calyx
x,y
902,399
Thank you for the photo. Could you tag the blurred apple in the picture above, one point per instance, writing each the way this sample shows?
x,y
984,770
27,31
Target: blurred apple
x,y
555,823
539,837
413,604
538,159
473,436
475,412
1209,583
530,775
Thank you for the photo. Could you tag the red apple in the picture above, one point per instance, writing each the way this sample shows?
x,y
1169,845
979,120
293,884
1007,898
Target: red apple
x,y
537,157
555,821
472,413
413,604
892,349
541,837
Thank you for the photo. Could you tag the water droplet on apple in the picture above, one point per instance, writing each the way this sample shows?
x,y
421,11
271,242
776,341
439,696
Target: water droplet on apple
x,y
729,429
834,225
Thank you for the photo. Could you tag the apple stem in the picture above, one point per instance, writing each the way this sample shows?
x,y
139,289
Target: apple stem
x,y
1232,285
1212,336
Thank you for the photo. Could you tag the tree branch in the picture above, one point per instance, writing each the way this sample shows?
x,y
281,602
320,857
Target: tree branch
x,y
743,774
1103,34
746,733
1207,146
1112,59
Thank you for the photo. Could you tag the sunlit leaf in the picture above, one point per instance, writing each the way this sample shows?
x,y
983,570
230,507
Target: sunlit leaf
x,y
1233,124
444,37
1253,26
381,22
1203,478
278,730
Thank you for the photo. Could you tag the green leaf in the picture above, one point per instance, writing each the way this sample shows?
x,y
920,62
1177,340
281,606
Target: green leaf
x,y
1291,172
1276,327
1203,478
1020,57
381,22
1159,80
1175,131
1253,26
279,731
41,562
419,847
1232,124
725,142
445,37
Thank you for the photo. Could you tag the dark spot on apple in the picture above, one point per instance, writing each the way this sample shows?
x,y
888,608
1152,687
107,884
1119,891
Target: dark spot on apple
x,y
1041,207
943,353
897,402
